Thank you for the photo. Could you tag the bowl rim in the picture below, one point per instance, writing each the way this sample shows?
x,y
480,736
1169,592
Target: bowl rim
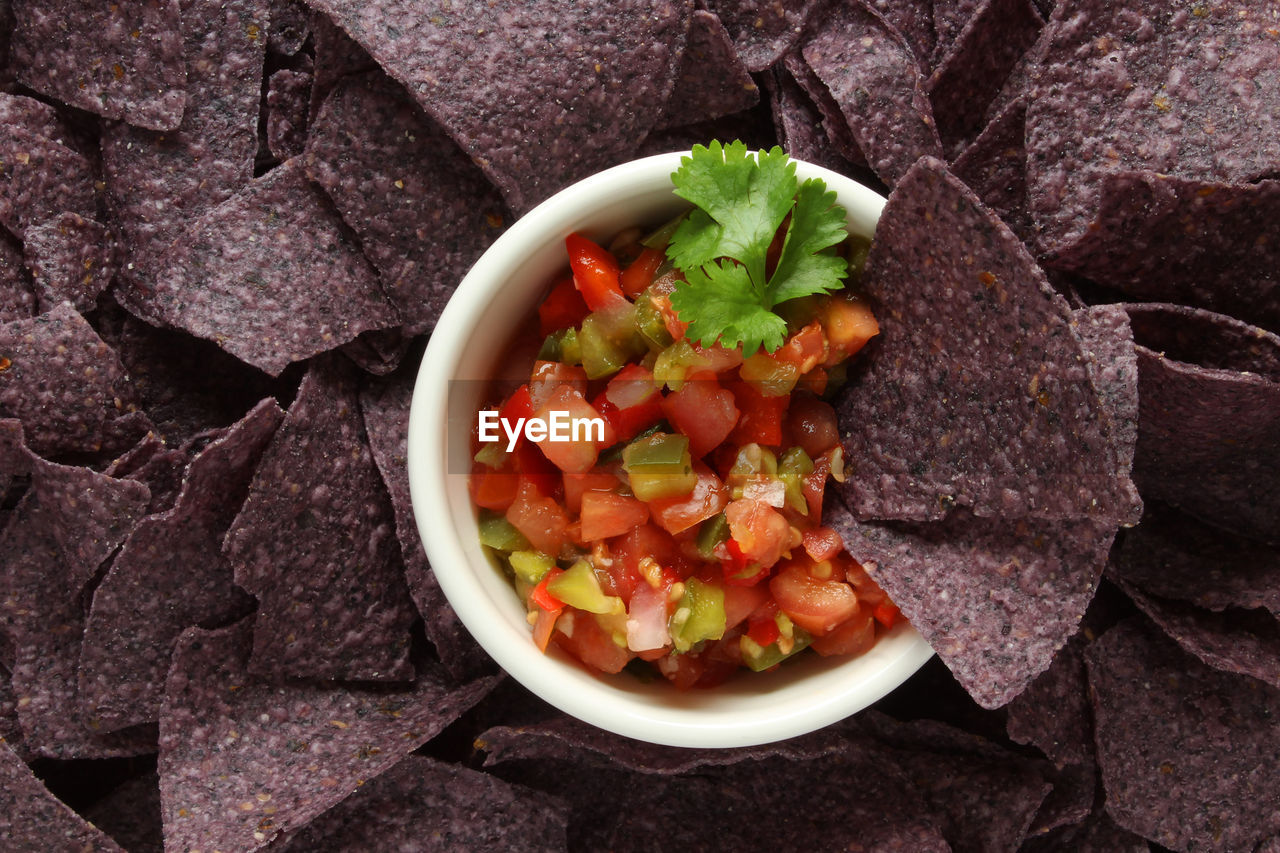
x,y
679,719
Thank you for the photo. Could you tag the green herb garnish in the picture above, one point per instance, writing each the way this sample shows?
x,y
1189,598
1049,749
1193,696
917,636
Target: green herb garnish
x,y
740,202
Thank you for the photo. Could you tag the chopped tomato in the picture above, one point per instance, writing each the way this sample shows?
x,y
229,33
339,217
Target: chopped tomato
x,y
644,541
531,465
639,273
709,496
605,515
492,489
542,598
683,671
548,376
763,631
806,349
851,637
595,273
576,485
822,543
518,405
591,644
541,519
816,605
759,530
578,454
544,626
849,324
886,613
631,402
761,418
741,602
811,425
562,309
814,486
702,410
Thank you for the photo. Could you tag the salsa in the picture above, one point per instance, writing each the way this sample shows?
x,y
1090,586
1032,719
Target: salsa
x,y
685,528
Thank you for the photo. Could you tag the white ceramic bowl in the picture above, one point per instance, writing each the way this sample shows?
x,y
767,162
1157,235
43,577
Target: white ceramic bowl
x,y
498,296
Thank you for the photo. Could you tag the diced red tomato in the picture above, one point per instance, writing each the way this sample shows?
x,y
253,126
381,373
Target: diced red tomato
x,y
631,386
630,402
541,519
683,671
852,637
869,592
595,273
738,569
578,455
759,530
811,425
576,485
563,308
605,515
814,485
639,273
702,410
493,489
806,349
763,631
886,613
709,496
542,598
592,645
660,296
741,602
518,405
849,324
531,465
816,605
815,382
548,376
822,543
646,540
761,417
544,626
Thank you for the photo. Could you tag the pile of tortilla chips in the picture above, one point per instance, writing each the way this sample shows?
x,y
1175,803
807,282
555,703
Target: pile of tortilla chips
x,y
227,227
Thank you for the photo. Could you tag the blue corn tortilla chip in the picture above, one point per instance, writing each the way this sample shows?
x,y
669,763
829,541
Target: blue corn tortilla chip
x,y
914,20
170,575
1172,555
712,81
155,465
288,105
244,275
423,213
875,79
421,798
243,761
799,123
567,739
36,116
994,166
66,386
995,598
1053,713
1195,242
1185,91
984,797
384,405
833,121
577,91
1187,752
949,19
187,385
119,60
1106,338
968,77
41,179
159,183
290,26
985,415
72,259
315,543
31,818
336,57
1209,436
67,523
1246,642
130,814
762,32
17,295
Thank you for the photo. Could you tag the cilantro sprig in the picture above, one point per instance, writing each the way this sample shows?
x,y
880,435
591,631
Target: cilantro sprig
x,y
740,201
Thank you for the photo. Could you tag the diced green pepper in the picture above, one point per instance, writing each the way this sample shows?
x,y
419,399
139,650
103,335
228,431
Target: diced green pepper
x,y
794,466
760,658
699,615
601,356
769,376
659,466
500,534
859,248
674,364
491,455
712,532
530,566
579,587
650,325
561,346
753,461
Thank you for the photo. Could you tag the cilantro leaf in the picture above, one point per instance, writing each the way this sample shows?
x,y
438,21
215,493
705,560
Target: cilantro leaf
x,y
722,304
722,247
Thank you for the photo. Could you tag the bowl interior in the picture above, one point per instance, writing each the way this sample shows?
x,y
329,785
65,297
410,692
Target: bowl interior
x,y
496,299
